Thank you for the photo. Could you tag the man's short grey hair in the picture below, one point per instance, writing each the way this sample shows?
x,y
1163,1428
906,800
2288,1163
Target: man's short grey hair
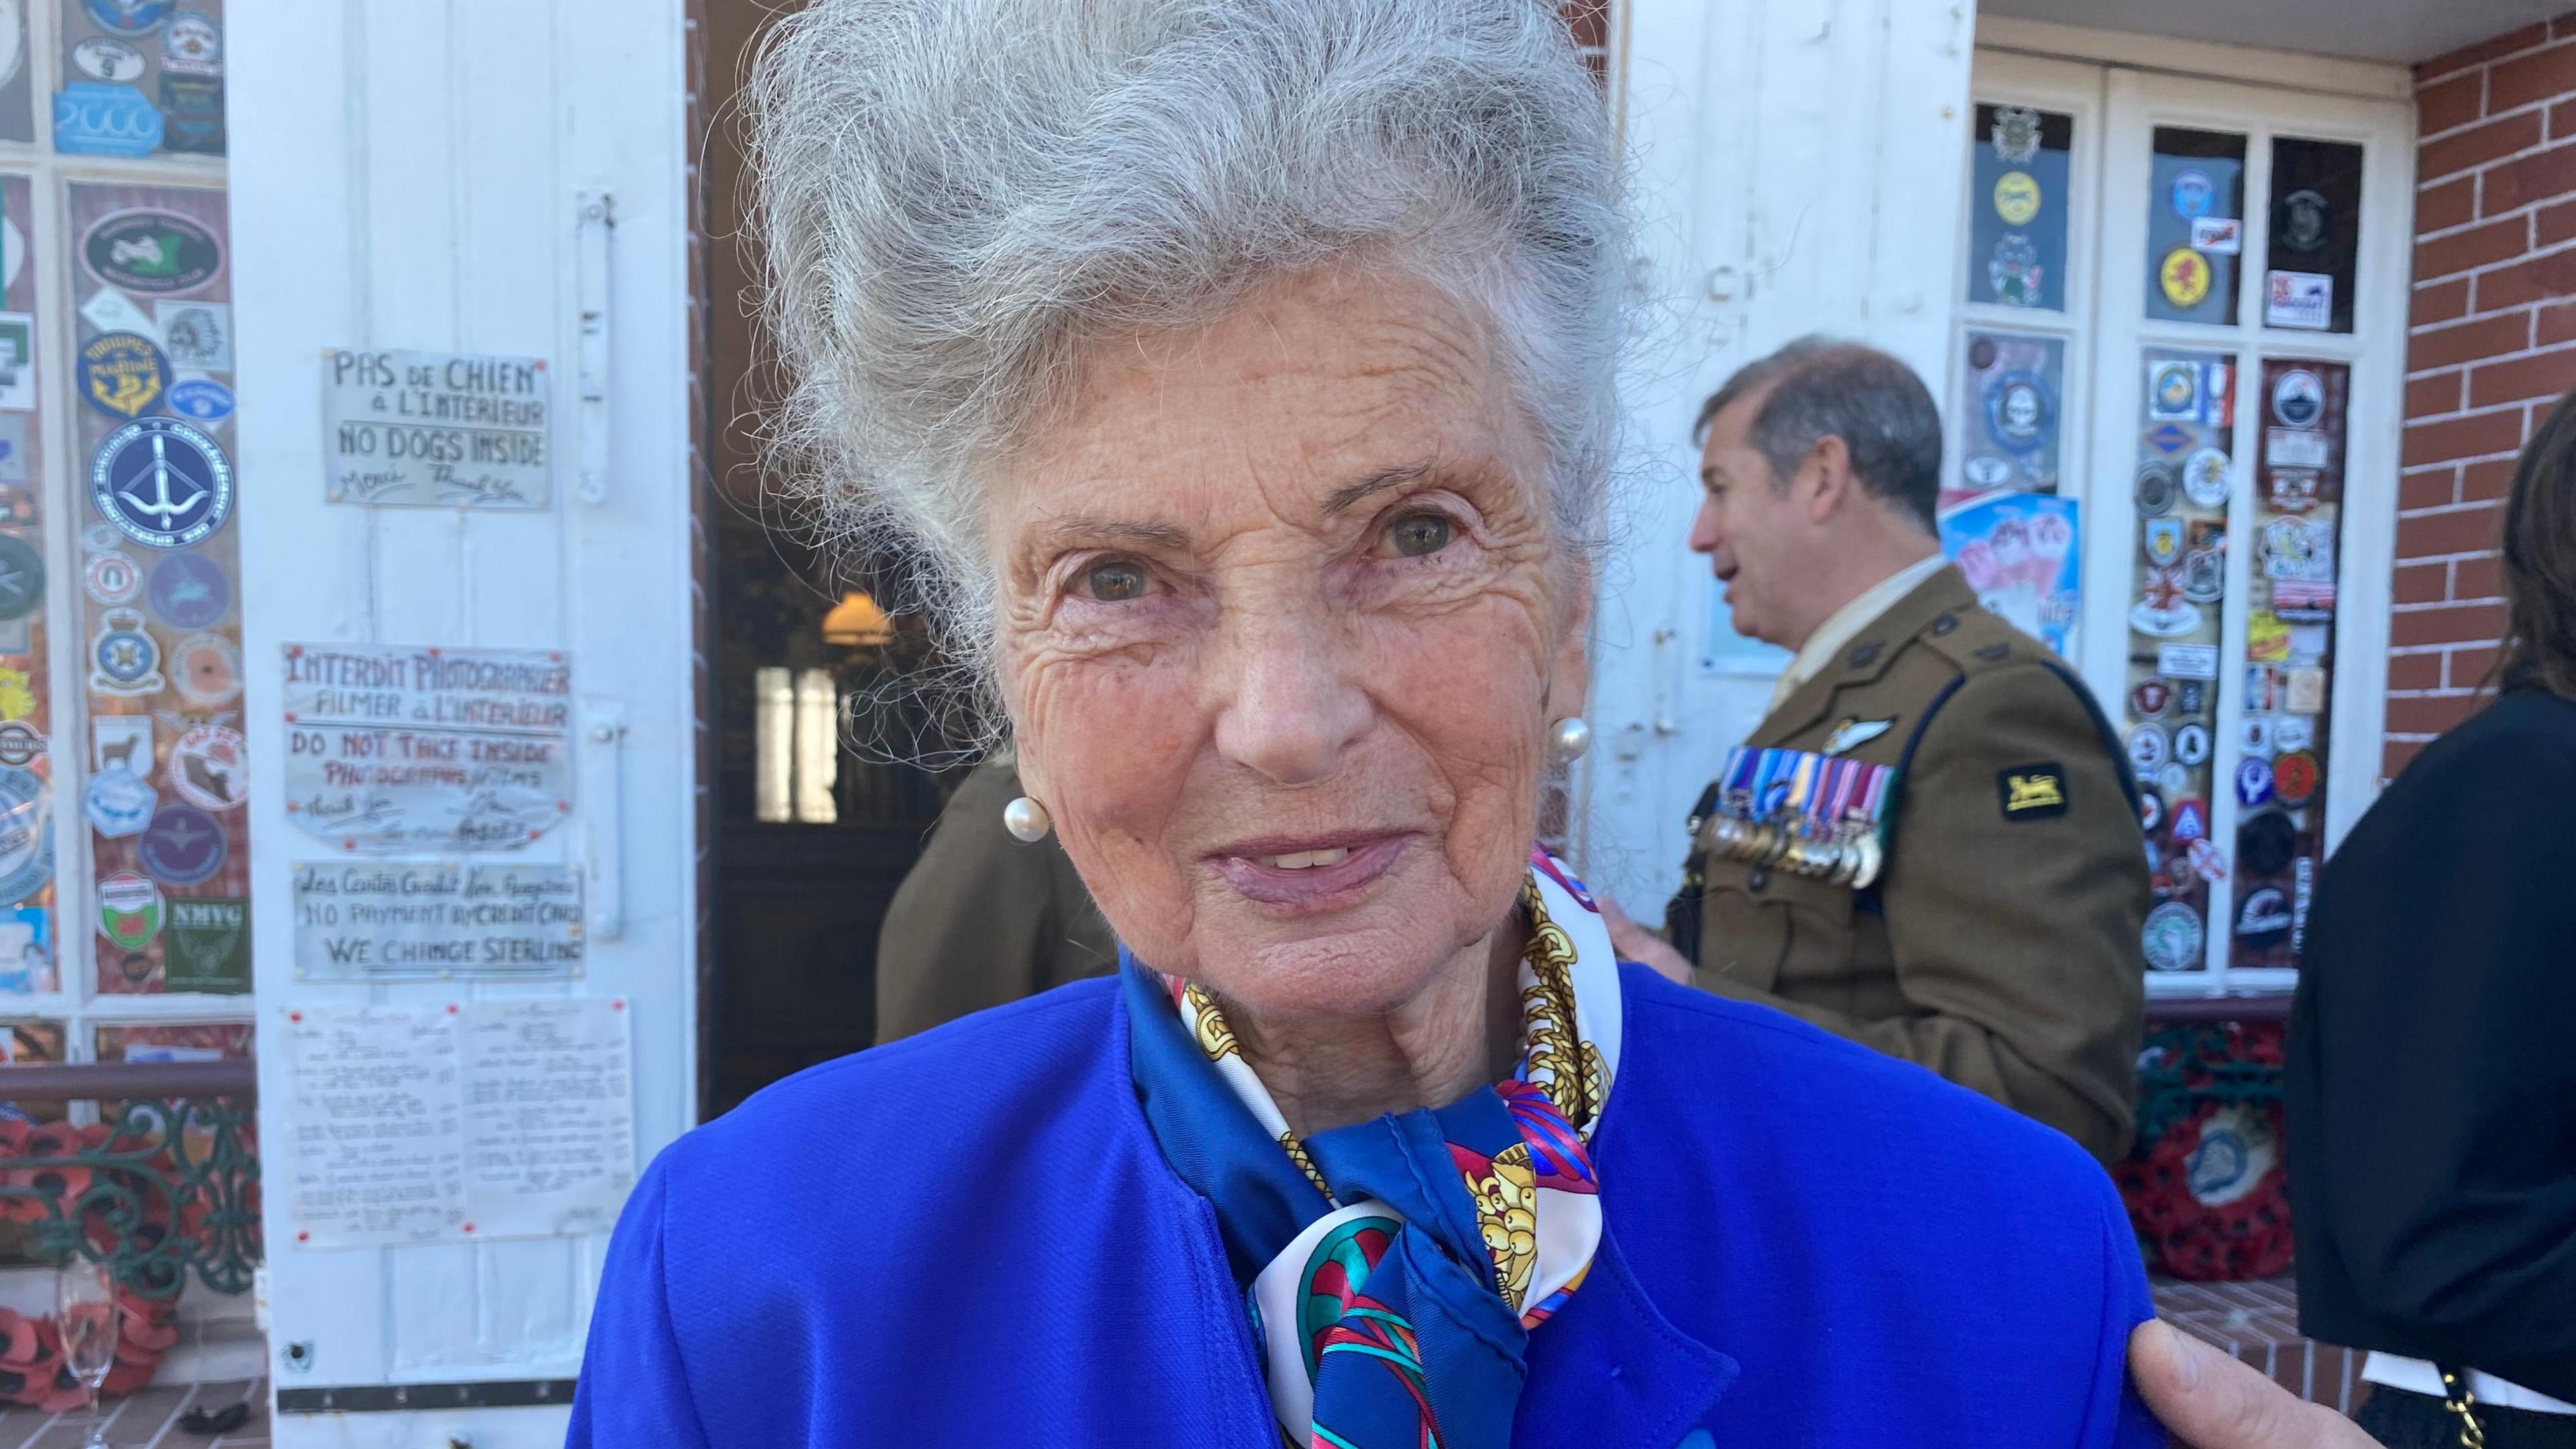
x,y
956,197
1817,388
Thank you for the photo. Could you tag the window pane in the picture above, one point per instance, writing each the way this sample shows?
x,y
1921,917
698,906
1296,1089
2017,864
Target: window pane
x,y
138,79
2011,399
2019,194
2316,234
2195,225
28,931
161,616
2185,476
2280,770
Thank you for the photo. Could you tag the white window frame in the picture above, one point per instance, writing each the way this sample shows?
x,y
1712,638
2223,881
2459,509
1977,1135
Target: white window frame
x,y
2116,110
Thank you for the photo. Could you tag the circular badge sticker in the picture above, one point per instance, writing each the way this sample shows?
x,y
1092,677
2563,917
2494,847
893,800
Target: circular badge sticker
x,y
129,909
104,59
206,768
1981,352
2157,488
2203,576
2206,475
2267,842
123,374
2019,415
2263,918
2193,193
2151,698
119,803
2254,736
2173,779
2298,398
189,590
182,846
127,17
2184,276
162,483
2173,939
20,743
2016,198
2294,778
2191,744
151,251
2151,811
2253,782
2164,618
2293,732
22,578
206,669
2147,747
2306,218
111,578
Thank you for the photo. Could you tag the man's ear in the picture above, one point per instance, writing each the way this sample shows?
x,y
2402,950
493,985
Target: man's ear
x,y
1825,480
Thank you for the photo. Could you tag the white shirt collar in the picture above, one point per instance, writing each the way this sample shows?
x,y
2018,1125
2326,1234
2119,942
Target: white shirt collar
x,y
1850,619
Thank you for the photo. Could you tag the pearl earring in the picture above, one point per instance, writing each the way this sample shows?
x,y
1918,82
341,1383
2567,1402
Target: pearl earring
x,y
1572,738
1026,819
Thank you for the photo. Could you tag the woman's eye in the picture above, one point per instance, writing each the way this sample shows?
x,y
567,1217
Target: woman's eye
x,y
1418,534
1113,583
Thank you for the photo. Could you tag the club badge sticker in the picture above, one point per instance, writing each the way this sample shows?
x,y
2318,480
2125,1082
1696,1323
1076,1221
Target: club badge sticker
x,y
162,483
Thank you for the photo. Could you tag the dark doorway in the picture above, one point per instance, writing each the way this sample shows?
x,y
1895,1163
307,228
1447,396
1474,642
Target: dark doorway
x,y
810,837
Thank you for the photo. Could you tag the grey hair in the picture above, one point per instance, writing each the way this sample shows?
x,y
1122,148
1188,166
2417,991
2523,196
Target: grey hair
x,y
956,197
1817,388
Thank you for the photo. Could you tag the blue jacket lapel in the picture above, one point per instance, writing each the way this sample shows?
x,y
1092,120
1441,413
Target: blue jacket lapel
x,y
1612,1372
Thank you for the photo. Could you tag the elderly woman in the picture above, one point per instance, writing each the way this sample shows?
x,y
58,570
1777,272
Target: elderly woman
x,y
1241,372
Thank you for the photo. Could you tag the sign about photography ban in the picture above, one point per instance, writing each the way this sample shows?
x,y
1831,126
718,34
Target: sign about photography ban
x,y
435,429
401,749
410,920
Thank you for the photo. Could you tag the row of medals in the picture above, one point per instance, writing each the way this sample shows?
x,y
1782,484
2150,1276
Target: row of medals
x,y
1845,854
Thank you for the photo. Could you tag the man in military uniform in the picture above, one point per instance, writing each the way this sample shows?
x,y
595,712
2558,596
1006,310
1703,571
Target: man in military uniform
x,y
983,919
1931,844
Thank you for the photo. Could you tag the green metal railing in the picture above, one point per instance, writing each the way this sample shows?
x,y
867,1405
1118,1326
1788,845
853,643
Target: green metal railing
x,y
163,1186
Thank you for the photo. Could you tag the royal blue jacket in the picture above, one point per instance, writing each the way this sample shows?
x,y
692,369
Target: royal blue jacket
x,y
969,1237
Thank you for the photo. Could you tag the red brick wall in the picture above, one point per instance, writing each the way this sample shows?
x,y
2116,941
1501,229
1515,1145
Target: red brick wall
x,y
2493,344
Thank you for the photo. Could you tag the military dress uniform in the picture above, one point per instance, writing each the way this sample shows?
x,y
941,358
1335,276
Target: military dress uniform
x,y
1974,902
983,919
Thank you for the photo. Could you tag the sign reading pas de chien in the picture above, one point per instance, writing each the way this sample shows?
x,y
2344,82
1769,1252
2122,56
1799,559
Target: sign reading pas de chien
x,y
435,429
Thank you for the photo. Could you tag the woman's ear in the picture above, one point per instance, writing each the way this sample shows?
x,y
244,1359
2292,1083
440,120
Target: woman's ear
x,y
1569,679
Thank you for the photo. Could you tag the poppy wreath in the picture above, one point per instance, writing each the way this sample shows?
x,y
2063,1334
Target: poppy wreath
x,y
2207,1184
32,1368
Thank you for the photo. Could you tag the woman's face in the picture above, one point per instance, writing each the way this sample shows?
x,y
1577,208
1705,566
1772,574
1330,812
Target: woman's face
x,y
1282,630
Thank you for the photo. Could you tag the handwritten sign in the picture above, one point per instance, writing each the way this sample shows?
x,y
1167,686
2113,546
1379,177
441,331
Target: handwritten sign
x,y
399,920
549,1116
376,1124
435,429
398,748
487,1119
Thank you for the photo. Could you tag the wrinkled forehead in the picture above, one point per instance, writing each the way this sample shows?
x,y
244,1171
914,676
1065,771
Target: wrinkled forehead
x,y
1306,391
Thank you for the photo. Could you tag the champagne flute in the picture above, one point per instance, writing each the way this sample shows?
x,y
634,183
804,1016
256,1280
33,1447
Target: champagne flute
x,y
85,1311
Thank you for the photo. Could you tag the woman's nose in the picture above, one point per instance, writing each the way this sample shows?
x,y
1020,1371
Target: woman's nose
x,y
1294,706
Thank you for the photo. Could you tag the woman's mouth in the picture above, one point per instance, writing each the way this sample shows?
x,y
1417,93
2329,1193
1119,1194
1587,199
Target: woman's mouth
x,y
1313,874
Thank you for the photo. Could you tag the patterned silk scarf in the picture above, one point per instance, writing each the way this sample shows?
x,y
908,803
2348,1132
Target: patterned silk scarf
x,y
1394,1269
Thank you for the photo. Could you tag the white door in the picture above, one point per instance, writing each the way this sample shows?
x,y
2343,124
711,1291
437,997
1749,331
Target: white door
x,y
409,175
1788,155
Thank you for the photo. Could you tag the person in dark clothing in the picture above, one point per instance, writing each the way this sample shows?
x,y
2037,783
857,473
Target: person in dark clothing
x,y
2432,1058
983,919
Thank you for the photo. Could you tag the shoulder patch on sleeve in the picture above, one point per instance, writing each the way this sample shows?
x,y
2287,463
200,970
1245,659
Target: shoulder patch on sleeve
x,y
2032,792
